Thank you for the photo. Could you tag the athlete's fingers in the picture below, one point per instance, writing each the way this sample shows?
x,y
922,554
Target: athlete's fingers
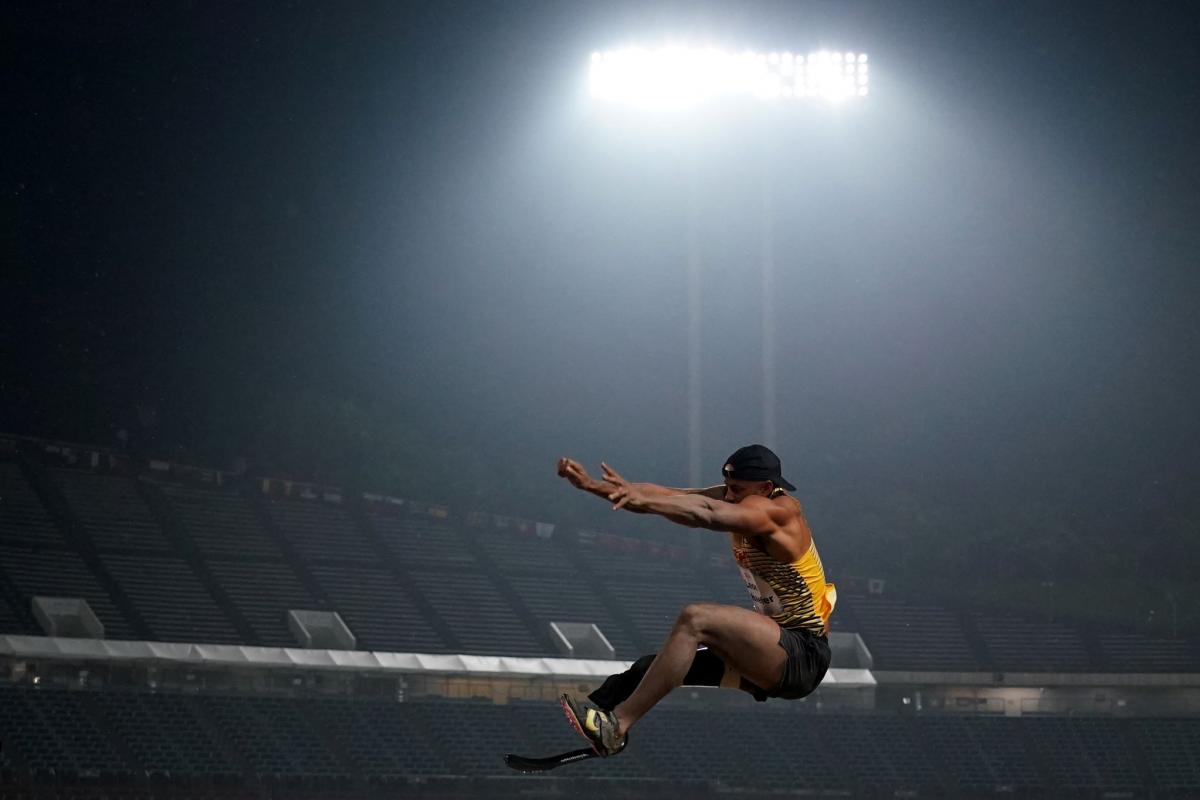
x,y
611,475
621,503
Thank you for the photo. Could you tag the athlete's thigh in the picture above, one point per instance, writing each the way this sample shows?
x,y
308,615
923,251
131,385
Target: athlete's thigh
x,y
747,641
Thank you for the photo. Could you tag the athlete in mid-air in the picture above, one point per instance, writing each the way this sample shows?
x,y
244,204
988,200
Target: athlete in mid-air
x,y
780,649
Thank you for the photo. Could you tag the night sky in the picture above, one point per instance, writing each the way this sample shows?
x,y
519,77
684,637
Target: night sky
x,y
986,287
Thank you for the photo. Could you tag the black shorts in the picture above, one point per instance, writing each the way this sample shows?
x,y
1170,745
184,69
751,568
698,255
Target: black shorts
x,y
807,662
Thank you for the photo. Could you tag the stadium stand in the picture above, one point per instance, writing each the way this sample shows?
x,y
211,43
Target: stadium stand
x,y
173,603
419,541
334,741
1017,645
979,752
9,621
222,524
320,533
378,608
168,558
214,564
482,618
1173,750
912,636
22,517
550,597
262,592
381,744
50,730
111,512
60,573
275,736
1131,652
1083,753
163,734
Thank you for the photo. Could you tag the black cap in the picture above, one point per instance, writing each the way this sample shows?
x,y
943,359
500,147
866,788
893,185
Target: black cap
x,y
754,462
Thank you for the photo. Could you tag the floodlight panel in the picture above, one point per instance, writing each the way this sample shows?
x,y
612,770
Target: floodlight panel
x,y
678,76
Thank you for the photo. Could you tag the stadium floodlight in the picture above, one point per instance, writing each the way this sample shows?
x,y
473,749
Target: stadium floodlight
x,y
678,76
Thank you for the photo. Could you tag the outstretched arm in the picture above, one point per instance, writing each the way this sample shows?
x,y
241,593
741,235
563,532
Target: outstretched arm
x,y
751,517
578,477
611,476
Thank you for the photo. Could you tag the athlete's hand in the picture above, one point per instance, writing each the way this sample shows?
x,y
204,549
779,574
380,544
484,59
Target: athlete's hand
x,y
575,473
612,476
628,496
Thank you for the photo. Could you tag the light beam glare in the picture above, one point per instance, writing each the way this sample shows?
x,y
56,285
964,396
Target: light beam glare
x,y
677,76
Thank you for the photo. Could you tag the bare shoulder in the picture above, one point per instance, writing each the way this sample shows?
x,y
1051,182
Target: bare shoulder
x,y
782,509
768,505
794,536
785,507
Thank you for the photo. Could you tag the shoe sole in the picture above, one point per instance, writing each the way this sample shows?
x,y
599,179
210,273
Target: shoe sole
x,y
566,707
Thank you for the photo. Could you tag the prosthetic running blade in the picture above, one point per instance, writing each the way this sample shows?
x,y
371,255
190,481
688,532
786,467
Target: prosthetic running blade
x,y
534,765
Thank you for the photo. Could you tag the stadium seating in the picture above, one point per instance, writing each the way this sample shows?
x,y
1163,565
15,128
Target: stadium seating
x,y
1127,652
222,524
553,597
321,532
22,517
979,752
262,592
1018,645
380,743
912,636
112,513
893,759
175,561
170,599
60,573
161,559
163,733
516,551
1083,753
482,618
10,621
378,608
275,736
342,741
419,541
50,730
1173,750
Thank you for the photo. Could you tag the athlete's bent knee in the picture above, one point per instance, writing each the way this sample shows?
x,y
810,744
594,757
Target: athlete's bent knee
x,y
693,618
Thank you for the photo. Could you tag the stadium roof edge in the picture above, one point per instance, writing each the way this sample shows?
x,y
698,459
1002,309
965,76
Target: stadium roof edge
x,y
226,655
231,655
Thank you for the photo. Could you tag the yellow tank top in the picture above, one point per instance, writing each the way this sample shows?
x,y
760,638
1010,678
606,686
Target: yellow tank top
x,y
795,595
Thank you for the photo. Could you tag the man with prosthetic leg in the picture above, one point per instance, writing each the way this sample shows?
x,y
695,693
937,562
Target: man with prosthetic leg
x,y
778,650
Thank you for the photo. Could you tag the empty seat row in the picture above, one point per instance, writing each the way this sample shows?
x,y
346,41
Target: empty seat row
x,y
404,579
773,748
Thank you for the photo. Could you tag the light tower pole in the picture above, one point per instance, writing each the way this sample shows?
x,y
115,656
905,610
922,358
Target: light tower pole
x,y
683,78
767,310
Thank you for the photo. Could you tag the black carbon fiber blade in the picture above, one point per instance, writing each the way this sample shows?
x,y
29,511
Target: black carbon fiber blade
x,y
533,765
